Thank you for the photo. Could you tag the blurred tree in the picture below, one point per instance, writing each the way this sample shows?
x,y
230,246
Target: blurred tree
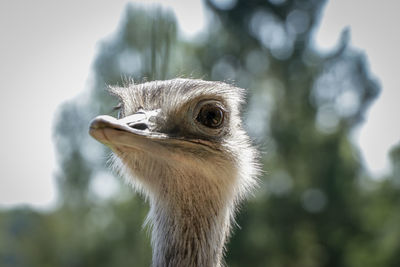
x,y
381,215
309,209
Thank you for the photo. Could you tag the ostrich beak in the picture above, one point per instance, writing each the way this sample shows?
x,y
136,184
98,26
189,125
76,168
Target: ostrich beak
x,y
134,131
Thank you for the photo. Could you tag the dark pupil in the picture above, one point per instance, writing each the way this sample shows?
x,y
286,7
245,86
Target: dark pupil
x,y
210,116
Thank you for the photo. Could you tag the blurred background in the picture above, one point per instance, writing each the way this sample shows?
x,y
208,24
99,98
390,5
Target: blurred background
x,y
321,106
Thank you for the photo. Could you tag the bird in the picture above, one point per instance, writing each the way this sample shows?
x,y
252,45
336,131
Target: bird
x,y
182,144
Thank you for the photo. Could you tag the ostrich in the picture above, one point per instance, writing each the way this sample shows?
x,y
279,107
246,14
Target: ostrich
x,y
181,143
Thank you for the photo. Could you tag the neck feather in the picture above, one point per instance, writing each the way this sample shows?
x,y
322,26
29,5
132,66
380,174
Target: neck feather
x,y
191,208
185,237
189,229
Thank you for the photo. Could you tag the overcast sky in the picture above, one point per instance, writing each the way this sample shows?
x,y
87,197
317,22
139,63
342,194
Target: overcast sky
x,y
47,48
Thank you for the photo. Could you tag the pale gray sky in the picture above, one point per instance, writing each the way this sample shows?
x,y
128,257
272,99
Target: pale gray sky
x,y
374,30
46,52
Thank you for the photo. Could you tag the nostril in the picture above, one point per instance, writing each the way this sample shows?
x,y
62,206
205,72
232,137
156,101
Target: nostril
x,y
139,126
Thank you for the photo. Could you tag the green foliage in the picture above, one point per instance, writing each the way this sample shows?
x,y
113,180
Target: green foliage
x,y
315,205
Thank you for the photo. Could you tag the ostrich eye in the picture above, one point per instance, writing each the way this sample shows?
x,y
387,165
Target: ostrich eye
x,y
211,116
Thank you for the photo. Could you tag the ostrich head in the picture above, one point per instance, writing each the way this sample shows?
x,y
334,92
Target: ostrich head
x,y
182,144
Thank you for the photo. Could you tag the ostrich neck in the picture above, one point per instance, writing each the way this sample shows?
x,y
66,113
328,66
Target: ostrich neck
x,y
188,239
189,231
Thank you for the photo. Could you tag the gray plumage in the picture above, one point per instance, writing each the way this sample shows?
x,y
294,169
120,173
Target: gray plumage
x,y
182,144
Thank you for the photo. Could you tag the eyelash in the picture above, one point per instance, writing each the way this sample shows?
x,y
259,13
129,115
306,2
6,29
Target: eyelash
x,y
118,108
